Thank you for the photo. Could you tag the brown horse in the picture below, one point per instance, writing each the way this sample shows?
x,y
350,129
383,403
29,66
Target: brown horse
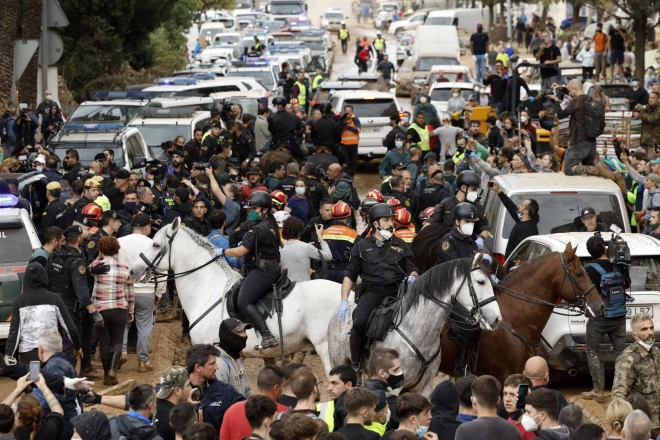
x,y
273,155
526,298
425,245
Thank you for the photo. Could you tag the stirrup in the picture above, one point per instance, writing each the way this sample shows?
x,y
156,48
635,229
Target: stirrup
x,y
267,342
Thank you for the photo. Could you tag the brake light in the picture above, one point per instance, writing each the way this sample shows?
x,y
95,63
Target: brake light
x,y
580,347
500,258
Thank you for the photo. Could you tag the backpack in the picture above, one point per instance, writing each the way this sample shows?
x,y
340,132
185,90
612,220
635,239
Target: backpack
x,y
594,118
613,290
354,200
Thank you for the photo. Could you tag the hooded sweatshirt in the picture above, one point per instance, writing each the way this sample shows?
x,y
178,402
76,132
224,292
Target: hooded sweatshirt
x,y
445,410
562,432
230,365
133,427
92,425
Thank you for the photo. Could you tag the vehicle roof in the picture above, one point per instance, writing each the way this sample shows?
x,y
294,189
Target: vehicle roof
x,y
639,244
91,137
339,85
282,34
364,76
201,84
452,85
108,103
542,182
364,94
447,67
224,95
170,121
436,54
183,101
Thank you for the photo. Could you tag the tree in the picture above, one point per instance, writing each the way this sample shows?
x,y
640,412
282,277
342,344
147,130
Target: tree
x,y
205,5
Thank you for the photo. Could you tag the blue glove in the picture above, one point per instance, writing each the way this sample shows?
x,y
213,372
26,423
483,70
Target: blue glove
x,y
412,279
494,279
344,310
219,252
488,258
480,243
530,99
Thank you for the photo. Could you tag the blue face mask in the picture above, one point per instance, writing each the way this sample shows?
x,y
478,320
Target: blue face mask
x,y
130,206
39,169
405,120
421,430
399,144
635,83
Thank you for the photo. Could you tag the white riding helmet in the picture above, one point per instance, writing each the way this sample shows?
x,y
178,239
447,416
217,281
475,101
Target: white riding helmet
x,y
280,218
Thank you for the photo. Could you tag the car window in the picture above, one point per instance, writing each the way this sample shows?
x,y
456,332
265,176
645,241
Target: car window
x,y
443,95
15,244
644,272
519,256
87,151
372,108
104,113
451,76
133,149
561,212
417,18
427,63
438,21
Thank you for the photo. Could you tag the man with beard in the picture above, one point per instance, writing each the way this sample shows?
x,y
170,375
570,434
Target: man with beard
x,y
233,338
178,169
192,147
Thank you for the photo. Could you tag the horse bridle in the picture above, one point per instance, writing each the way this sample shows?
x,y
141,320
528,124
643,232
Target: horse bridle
x,y
580,296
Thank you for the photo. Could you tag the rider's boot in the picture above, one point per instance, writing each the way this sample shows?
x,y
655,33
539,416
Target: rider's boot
x,y
357,346
460,367
267,338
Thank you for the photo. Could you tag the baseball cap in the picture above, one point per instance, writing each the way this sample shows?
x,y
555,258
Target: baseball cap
x,y
177,152
141,219
587,212
91,183
143,182
216,124
234,325
655,161
41,159
430,155
280,217
53,186
480,25
114,215
73,230
654,178
398,166
400,136
252,170
382,400
174,376
98,179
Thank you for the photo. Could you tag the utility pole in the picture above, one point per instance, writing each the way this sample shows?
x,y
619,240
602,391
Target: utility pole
x,y
43,47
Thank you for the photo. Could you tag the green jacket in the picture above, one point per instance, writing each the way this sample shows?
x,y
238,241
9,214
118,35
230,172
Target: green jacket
x,y
650,117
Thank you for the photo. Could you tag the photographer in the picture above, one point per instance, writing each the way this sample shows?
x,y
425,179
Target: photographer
x,y
611,278
25,128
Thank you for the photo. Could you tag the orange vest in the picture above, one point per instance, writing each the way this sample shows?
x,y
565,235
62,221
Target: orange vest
x,y
348,137
340,232
405,234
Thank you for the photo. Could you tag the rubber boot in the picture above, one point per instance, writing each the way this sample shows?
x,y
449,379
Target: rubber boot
x,y
267,338
357,347
112,369
106,367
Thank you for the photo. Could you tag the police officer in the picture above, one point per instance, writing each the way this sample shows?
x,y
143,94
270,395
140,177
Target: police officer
x,y
55,213
91,192
285,128
110,225
468,183
379,45
340,239
327,130
317,80
383,261
67,276
211,142
344,37
261,247
243,144
434,192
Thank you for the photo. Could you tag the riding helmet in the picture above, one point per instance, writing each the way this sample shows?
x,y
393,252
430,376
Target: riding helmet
x,y
259,199
366,205
380,210
325,107
466,211
469,178
279,100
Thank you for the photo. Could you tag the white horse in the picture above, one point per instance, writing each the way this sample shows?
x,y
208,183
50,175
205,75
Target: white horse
x,y
307,310
424,311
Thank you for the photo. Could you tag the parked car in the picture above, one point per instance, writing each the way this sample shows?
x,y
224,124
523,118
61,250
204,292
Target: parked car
x,y
419,67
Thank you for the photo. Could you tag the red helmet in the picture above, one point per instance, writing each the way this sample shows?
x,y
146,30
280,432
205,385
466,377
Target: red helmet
x,y
395,203
427,213
374,194
279,198
92,211
402,217
341,210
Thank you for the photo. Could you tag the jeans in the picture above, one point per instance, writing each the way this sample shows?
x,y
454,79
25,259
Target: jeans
x,y
597,329
145,309
480,65
599,61
579,159
111,335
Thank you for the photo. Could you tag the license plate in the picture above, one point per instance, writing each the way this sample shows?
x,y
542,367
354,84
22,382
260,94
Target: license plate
x,y
634,310
371,130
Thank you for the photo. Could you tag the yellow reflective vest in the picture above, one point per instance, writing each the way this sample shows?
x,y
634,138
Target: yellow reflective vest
x,y
327,413
302,94
343,33
423,133
379,43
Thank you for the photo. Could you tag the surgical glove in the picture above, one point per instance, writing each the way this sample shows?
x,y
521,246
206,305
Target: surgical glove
x,y
98,319
344,310
412,279
488,258
219,252
495,279
480,243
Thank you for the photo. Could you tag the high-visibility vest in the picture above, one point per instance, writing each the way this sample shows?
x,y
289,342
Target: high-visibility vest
x,y
405,234
327,413
376,427
423,133
343,33
316,81
348,137
457,157
379,44
302,93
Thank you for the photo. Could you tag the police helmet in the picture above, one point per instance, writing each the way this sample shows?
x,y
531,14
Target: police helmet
x,y
325,107
279,100
380,210
469,178
466,211
366,205
259,199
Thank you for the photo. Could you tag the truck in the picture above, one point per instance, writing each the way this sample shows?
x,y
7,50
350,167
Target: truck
x,y
283,9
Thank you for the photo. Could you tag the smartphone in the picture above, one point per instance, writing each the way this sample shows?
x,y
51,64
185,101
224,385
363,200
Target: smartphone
x,y
490,184
35,366
523,390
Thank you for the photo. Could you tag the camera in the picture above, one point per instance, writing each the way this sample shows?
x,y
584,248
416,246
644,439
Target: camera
x,y
157,168
617,249
201,165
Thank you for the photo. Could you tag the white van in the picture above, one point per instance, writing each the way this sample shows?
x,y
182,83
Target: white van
x,y
444,38
560,199
461,18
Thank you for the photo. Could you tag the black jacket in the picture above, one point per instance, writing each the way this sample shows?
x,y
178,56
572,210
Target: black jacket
x,y
377,384
132,428
183,210
521,230
445,410
326,131
389,138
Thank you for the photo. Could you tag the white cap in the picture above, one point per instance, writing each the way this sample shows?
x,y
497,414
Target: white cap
x,y
280,217
41,159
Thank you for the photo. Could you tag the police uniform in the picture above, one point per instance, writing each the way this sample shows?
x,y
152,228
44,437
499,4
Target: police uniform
x,y
406,201
80,204
444,213
55,214
340,239
455,245
92,245
283,127
244,146
432,195
209,147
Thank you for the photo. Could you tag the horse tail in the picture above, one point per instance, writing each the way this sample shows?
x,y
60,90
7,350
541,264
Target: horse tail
x,y
425,245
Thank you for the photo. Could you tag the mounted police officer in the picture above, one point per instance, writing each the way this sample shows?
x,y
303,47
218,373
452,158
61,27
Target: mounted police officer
x,y
261,247
383,261
285,128
67,276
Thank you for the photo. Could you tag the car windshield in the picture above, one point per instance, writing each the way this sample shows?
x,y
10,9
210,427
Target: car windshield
x,y
616,91
213,31
334,16
274,26
224,39
314,44
438,21
87,151
104,113
561,212
372,108
644,273
443,95
286,8
451,76
156,134
249,104
15,242
284,38
263,76
425,64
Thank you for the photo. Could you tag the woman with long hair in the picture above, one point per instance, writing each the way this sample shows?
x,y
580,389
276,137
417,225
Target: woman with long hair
x,y
297,255
113,298
30,420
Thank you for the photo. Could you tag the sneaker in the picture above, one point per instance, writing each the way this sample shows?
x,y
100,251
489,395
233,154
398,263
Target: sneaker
x,y
144,367
598,396
123,359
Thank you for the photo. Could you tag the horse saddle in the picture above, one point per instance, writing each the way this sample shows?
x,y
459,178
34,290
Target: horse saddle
x,y
266,304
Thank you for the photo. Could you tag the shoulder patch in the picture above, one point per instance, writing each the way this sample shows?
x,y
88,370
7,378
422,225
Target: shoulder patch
x,y
82,269
398,249
91,244
445,245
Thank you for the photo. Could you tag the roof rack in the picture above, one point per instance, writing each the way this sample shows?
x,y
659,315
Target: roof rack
x,y
93,127
173,81
110,95
174,113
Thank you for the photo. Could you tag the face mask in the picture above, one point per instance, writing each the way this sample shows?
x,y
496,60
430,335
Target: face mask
x,y
421,430
523,119
422,100
646,345
654,225
520,216
151,182
39,169
471,196
405,120
130,206
49,97
387,417
635,83
300,191
230,153
253,216
455,95
386,234
395,382
399,144
480,30
617,25
467,229
529,423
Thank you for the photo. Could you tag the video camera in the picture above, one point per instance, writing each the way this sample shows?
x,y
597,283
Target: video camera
x,y
617,249
202,166
157,168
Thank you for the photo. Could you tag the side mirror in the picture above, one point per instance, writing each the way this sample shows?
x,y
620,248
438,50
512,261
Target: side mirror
x,y
408,52
139,162
329,49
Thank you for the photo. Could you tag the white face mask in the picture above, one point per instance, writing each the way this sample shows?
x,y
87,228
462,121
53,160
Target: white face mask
x,y
386,234
529,423
398,144
467,229
471,196
455,95
422,100
49,97
300,191
523,119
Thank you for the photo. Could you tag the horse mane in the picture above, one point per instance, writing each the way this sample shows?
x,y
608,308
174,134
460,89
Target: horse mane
x,y
523,276
439,278
425,245
210,248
